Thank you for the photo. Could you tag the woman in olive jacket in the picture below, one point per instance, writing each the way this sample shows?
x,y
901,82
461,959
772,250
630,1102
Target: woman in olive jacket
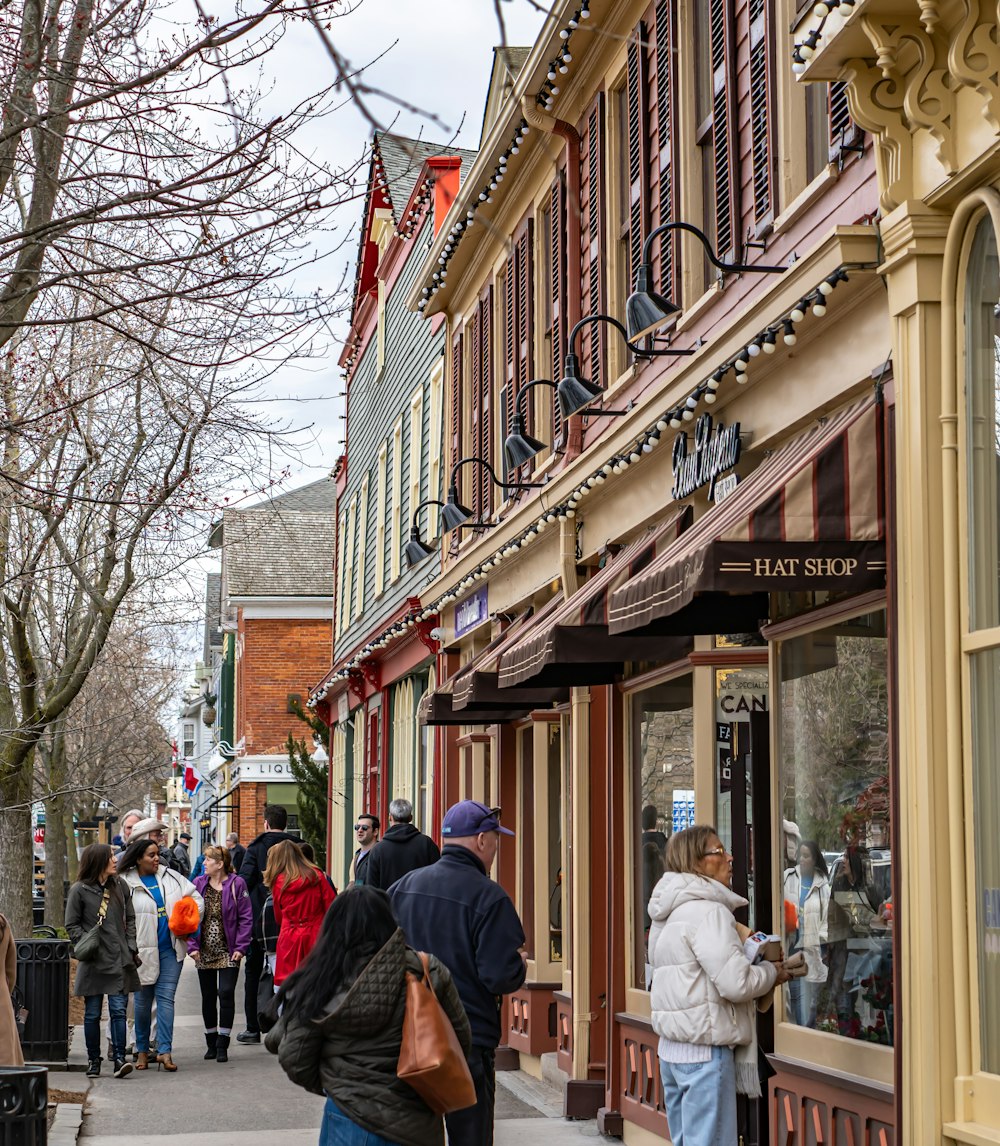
x,y
113,971
341,1025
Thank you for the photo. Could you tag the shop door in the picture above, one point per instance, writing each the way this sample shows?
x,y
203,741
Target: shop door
x,y
743,788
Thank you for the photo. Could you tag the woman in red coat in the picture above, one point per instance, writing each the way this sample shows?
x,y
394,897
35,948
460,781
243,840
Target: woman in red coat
x,y
301,895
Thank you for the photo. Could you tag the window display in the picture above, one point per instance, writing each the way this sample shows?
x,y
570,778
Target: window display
x,y
834,785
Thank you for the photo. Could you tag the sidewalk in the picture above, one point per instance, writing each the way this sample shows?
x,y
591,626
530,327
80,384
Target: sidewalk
x,y
248,1101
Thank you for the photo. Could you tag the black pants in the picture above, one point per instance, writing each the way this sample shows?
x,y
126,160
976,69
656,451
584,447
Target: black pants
x,y
474,1127
255,965
218,998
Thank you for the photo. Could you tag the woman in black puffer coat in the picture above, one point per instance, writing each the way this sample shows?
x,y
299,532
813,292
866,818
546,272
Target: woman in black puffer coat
x,y
113,971
342,1020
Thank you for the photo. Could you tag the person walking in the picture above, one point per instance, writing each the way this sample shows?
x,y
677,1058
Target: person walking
x,y
301,895
252,872
150,829
341,1022
402,849
236,850
182,854
455,911
807,890
100,899
704,990
220,944
366,833
155,892
10,1044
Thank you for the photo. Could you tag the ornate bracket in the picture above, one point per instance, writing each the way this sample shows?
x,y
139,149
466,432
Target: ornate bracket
x,y
356,685
372,672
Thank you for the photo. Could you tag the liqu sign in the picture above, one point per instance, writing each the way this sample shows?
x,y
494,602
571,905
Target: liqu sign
x,y
716,449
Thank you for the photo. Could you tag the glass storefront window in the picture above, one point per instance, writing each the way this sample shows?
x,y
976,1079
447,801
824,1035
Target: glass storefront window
x,y
662,787
983,428
836,827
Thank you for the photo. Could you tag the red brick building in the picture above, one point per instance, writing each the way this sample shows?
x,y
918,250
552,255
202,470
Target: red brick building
x,y
277,592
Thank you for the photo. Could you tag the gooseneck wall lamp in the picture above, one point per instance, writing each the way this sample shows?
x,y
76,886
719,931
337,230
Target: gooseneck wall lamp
x,y
416,549
519,446
646,310
454,514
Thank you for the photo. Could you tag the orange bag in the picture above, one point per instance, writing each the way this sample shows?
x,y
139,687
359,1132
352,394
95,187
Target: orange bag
x,y
184,918
431,1059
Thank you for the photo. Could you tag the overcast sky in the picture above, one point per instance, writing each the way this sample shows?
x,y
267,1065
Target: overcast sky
x,y
437,56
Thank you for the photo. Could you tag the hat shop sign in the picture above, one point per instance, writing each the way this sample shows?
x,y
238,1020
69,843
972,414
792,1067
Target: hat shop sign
x,y
716,450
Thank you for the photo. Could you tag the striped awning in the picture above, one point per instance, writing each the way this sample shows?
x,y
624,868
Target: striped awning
x,y
473,696
810,517
572,646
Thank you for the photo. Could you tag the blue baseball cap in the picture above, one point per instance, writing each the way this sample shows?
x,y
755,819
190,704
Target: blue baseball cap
x,y
469,818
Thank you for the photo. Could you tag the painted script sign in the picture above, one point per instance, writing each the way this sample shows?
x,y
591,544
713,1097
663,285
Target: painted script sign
x,y
716,449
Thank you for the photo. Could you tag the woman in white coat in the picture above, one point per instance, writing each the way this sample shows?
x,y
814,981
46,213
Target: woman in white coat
x,y
704,989
155,891
807,894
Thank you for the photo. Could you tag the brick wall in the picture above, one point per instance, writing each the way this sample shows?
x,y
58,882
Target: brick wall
x,y
248,811
277,657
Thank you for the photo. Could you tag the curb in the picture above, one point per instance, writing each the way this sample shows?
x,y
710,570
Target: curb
x,y
66,1125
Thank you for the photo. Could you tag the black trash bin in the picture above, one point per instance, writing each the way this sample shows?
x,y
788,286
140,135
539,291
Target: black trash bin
x,y
43,976
24,1098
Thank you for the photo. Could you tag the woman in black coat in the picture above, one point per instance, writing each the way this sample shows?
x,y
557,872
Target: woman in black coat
x,y
113,971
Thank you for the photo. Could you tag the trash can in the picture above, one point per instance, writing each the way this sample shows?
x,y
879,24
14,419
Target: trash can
x,y
43,976
24,1098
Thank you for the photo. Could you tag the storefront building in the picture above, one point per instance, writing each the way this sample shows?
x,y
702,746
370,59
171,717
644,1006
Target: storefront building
x,y
388,481
687,611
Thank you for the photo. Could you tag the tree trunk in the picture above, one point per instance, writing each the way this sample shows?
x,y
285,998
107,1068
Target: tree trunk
x,y
15,845
72,858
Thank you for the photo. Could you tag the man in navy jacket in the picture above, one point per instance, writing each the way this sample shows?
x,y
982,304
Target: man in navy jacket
x,y
455,911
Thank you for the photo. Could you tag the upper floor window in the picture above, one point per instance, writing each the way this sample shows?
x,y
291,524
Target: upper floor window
x,y
188,745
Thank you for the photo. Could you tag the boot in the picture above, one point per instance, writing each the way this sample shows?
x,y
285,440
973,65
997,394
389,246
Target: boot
x,y
122,1067
93,1067
223,1054
211,1041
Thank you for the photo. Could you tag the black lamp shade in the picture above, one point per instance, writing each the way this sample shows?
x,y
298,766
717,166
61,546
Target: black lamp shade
x,y
453,513
415,550
645,310
519,447
573,391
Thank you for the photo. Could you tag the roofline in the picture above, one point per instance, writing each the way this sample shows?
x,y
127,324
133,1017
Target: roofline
x,y
529,80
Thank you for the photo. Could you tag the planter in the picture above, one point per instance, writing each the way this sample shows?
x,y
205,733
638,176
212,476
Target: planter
x,y
208,716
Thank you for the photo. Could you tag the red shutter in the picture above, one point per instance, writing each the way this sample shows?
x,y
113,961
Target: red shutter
x,y
761,111
557,288
637,81
483,414
525,298
664,167
456,404
592,270
475,473
723,126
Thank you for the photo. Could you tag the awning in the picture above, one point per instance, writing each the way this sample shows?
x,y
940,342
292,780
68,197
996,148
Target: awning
x,y
810,517
573,646
472,695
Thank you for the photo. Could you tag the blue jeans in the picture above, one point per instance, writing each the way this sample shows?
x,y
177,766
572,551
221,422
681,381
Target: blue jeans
x,y
700,1098
339,1130
163,990
117,1006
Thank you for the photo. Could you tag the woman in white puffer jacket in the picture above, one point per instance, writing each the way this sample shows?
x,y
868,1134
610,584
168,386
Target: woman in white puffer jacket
x,y
704,988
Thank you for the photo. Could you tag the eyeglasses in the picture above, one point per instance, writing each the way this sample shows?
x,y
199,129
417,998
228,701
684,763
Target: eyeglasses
x,y
714,852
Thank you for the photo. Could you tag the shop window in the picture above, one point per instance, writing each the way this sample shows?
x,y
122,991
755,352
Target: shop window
x,y
662,791
836,877
983,470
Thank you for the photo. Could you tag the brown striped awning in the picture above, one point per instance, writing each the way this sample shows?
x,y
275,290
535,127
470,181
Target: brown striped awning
x,y
810,517
572,646
473,696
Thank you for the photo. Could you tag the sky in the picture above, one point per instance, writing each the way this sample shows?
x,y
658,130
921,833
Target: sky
x,y
436,56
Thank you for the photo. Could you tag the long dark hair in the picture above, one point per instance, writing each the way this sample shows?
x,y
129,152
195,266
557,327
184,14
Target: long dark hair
x,y
130,856
819,860
94,860
358,924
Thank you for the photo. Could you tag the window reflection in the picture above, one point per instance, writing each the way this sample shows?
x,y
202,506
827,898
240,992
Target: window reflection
x,y
837,886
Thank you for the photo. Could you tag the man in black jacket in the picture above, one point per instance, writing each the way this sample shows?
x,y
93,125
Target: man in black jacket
x,y
236,850
402,849
252,872
455,911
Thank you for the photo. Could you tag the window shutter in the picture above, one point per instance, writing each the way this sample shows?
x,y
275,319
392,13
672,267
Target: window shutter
x,y
592,271
525,293
720,31
666,103
482,373
455,444
761,112
841,126
473,472
509,317
557,287
637,80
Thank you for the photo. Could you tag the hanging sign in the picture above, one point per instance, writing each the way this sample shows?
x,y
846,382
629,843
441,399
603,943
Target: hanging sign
x,y
716,449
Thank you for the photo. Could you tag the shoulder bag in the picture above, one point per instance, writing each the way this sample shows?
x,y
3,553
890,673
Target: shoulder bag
x,y
89,944
430,1055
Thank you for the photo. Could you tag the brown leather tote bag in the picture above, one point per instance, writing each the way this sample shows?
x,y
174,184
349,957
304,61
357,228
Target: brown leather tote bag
x,y
430,1055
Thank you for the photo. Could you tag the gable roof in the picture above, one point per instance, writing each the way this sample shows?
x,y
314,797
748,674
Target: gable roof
x,y
213,615
507,64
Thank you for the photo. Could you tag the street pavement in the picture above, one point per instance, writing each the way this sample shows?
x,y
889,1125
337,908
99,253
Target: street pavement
x,y
249,1101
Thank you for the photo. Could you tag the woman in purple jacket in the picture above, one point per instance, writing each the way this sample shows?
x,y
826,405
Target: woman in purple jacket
x,y
219,945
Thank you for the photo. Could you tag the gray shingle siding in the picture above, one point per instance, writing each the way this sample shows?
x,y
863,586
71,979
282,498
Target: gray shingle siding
x,y
373,408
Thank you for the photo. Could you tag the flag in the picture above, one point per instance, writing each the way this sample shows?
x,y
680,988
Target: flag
x,y
193,779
